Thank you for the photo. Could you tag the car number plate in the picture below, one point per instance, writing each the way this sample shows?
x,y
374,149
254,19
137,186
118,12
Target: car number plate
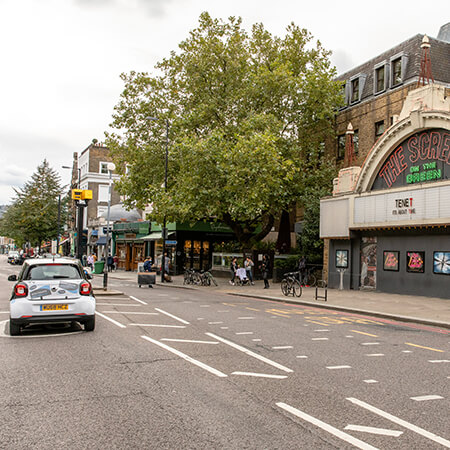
x,y
54,307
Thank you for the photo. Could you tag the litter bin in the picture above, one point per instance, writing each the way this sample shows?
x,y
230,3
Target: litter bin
x,y
98,266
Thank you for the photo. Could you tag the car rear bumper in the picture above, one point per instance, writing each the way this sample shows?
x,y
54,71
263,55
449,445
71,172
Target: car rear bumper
x,y
60,318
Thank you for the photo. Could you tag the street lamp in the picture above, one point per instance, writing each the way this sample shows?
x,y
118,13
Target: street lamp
x,y
164,229
111,166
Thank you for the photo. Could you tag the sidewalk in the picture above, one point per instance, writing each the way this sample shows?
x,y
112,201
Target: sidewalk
x,y
425,310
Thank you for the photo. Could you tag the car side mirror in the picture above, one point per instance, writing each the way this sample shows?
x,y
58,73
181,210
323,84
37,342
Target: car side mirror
x,y
12,278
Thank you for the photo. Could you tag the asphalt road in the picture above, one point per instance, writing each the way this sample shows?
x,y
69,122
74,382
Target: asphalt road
x,y
171,368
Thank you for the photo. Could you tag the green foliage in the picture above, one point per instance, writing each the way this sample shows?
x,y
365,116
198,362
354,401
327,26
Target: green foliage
x,y
289,264
248,114
32,217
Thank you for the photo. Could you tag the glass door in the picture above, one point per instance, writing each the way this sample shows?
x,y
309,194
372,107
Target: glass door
x,y
196,251
187,254
205,256
368,277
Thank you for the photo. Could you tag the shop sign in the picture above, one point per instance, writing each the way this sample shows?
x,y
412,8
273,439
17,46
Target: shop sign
x,y
421,158
404,206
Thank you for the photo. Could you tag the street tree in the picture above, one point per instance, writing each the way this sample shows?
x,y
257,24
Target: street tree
x,y
33,215
248,116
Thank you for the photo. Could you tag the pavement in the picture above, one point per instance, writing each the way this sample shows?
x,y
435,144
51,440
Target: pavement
x,y
418,309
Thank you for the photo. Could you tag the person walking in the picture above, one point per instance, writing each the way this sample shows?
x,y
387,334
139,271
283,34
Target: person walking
x,y
116,262
110,262
248,264
234,266
265,270
90,261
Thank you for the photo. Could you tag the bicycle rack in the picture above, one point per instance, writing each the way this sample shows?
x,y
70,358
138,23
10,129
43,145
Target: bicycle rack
x,y
321,284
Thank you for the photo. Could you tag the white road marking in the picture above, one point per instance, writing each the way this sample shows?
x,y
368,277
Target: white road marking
x,y
338,367
200,318
301,356
172,316
370,381
439,360
401,422
245,318
382,431
186,357
256,340
375,354
282,347
370,343
214,323
162,295
119,304
111,320
424,398
205,306
155,325
319,339
224,311
224,328
261,375
250,353
189,341
131,312
330,429
137,300
349,336
321,330
406,351
4,312
244,332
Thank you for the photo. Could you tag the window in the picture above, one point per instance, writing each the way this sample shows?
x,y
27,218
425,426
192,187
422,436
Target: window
x,y
355,90
380,79
104,167
101,210
103,191
341,146
379,129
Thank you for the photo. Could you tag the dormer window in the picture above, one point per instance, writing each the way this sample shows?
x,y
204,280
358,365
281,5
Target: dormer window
x,y
380,77
355,90
356,87
398,69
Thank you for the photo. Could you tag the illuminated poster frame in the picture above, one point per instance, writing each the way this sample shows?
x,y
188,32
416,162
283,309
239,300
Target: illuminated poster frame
x,y
391,260
341,259
415,261
441,263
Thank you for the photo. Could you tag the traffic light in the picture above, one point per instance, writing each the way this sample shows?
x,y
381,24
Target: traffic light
x,y
77,194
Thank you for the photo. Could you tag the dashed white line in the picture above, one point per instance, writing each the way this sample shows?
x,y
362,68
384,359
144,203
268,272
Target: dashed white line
x,y
186,357
318,331
245,318
370,381
224,328
214,323
189,341
319,339
155,325
301,356
424,398
439,360
373,430
172,316
118,304
205,306
132,312
111,320
260,375
256,340
370,343
137,300
401,422
282,347
406,351
250,353
241,333
375,354
324,426
338,367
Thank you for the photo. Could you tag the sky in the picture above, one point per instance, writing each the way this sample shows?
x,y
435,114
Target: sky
x,y
62,59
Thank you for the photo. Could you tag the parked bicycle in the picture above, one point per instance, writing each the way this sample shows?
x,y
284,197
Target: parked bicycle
x,y
207,278
290,285
310,279
192,277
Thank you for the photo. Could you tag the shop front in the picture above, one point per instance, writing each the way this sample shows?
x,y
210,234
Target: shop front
x,y
390,229
129,245
187,246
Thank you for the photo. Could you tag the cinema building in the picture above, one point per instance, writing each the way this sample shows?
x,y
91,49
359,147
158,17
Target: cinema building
x,y
387,225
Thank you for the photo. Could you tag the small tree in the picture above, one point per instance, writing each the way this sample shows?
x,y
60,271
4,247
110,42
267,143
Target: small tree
x,y
248,115
32,217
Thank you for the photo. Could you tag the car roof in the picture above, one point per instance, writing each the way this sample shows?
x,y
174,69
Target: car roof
x,y
46,261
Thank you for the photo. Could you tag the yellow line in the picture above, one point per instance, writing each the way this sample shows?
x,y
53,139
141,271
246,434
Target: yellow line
x,y
277,314
318,323
367,334
426,348
252,309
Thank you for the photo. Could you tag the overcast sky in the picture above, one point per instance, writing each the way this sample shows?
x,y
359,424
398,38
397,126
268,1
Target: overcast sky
x,y
61,59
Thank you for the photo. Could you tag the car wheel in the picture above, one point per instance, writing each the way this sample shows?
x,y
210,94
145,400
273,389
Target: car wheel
x,y
14,329
89,325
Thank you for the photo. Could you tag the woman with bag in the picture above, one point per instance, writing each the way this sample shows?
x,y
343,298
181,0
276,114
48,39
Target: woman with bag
x,y
248,264
265,270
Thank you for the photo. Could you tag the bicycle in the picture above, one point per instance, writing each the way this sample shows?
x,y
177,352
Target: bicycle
x,y
192,277
309,279
291,285
207,278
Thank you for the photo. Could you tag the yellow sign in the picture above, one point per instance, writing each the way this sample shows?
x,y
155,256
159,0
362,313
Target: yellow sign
x,y
76,194
86,195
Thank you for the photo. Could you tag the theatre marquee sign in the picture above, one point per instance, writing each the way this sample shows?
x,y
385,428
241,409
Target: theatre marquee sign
x,y
423,157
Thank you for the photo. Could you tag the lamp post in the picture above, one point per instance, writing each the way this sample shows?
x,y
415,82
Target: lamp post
x,y
111,166
164,228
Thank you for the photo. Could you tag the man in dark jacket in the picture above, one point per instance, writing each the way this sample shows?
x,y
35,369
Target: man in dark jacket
x,y
265,271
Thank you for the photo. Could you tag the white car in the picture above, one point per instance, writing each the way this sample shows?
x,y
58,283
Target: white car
x,y
51,291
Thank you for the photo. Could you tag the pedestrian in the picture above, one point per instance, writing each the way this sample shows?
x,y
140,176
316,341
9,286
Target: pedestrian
x,y
234,266
84,260
248,264
302,269
166,268
110,262
116,262
90,261
265,270
148,264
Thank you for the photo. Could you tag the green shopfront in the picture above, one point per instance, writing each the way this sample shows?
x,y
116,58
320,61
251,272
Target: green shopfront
x,y
187,245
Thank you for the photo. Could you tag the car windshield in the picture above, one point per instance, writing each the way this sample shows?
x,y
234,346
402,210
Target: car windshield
x,y
53,271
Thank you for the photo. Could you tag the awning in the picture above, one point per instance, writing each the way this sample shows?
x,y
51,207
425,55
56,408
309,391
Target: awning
x,y
101,240
155,236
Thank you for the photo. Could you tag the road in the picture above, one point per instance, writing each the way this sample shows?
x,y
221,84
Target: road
x,y
171,368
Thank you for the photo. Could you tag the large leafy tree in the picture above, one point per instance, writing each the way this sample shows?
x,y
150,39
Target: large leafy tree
x,y
248,114
33,215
